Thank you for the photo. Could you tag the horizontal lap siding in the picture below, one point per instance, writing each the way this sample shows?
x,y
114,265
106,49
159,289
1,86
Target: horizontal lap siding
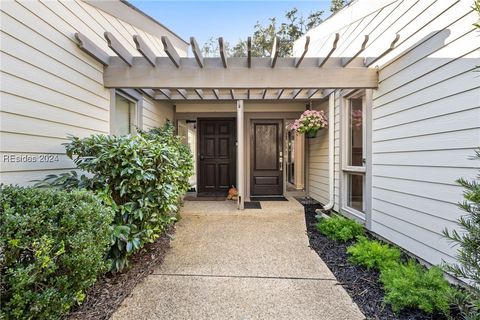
x,y
426,125
50,88
155,113
318,178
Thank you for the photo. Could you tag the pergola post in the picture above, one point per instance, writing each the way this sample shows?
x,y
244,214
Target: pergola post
x,y
240,155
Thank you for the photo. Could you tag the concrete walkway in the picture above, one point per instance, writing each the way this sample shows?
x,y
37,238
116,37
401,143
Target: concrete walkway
x,y
226,264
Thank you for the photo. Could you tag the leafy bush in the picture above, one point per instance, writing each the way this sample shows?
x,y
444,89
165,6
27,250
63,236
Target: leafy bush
x,y
66,181
339,228
373,254
411,286
468,240
53,244
143,177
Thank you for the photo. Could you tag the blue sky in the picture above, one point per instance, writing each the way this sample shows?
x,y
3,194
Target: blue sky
x,y
230,19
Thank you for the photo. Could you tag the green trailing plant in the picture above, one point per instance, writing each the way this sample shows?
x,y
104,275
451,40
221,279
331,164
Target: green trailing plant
x,y
339,228
412,286
53,245
142,177
467,239
373,254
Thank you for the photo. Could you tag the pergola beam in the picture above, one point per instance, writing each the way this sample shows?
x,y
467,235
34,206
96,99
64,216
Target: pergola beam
x,y
334,46
199,93
223,52
143,48
238,75
170,51
311,93
215,93
369,61
279,94
196,52
347,61
295,93
264,93
149,92
275,51
92,49
118,48
299,60
183,93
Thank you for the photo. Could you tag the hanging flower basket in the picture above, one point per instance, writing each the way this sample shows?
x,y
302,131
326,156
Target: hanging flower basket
x,y
310,122
311,134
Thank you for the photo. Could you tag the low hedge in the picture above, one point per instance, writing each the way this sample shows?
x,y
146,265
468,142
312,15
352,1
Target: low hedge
x,y
339,228
373,254
53,245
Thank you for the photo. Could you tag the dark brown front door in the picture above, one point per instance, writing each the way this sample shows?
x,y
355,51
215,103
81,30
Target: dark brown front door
x,y
266,151
216,156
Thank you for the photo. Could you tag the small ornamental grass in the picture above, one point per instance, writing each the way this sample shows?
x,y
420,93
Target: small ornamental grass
x,y
412,286
373,254
53,245
339,228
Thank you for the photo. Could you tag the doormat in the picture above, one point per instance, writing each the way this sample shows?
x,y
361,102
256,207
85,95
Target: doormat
x,y
268,198
192,198
252,205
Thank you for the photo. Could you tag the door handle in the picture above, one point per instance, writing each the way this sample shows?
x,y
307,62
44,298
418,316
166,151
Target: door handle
x,y
202,157
280,161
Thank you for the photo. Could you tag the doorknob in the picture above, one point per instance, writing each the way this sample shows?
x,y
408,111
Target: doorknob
x,y
202,157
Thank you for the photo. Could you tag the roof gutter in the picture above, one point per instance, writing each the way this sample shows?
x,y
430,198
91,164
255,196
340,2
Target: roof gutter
x,y
331,152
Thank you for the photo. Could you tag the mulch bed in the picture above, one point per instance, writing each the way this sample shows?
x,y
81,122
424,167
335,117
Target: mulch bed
x,y
361,284
106,295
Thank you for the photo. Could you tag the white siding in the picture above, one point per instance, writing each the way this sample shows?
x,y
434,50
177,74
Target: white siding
x,y
156,113
318,183
50,88
426,115
426,124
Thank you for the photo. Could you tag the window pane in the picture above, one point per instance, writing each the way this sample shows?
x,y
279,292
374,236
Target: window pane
x,y
187,130
125,116
355,191
355,132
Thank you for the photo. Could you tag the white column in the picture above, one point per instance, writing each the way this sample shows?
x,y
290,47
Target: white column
x,y
240,155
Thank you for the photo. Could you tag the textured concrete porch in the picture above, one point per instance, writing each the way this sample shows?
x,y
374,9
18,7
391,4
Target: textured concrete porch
x,y
230,264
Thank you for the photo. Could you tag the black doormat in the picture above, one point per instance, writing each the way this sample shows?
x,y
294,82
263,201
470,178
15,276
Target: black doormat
x,y
280,198
252,205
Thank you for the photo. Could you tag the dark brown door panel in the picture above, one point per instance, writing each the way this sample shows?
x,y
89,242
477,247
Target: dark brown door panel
x,y
265,157
216,156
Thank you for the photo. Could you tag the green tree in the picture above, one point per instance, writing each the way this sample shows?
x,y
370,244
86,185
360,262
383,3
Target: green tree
x,y
294,27
337,5
467,238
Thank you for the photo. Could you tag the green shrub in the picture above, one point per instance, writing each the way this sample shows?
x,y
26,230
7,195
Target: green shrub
x,y
143,175
467,239
373,254
339,228
53,245
412,286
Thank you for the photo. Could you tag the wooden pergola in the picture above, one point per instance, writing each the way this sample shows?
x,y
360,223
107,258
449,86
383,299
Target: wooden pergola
x,y
174,78
199,78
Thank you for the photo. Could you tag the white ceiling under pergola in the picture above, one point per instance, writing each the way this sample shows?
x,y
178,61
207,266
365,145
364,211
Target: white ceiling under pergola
x,y
198,78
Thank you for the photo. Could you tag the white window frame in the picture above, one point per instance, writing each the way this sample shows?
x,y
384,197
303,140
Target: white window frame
x,y
364,170
134,97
